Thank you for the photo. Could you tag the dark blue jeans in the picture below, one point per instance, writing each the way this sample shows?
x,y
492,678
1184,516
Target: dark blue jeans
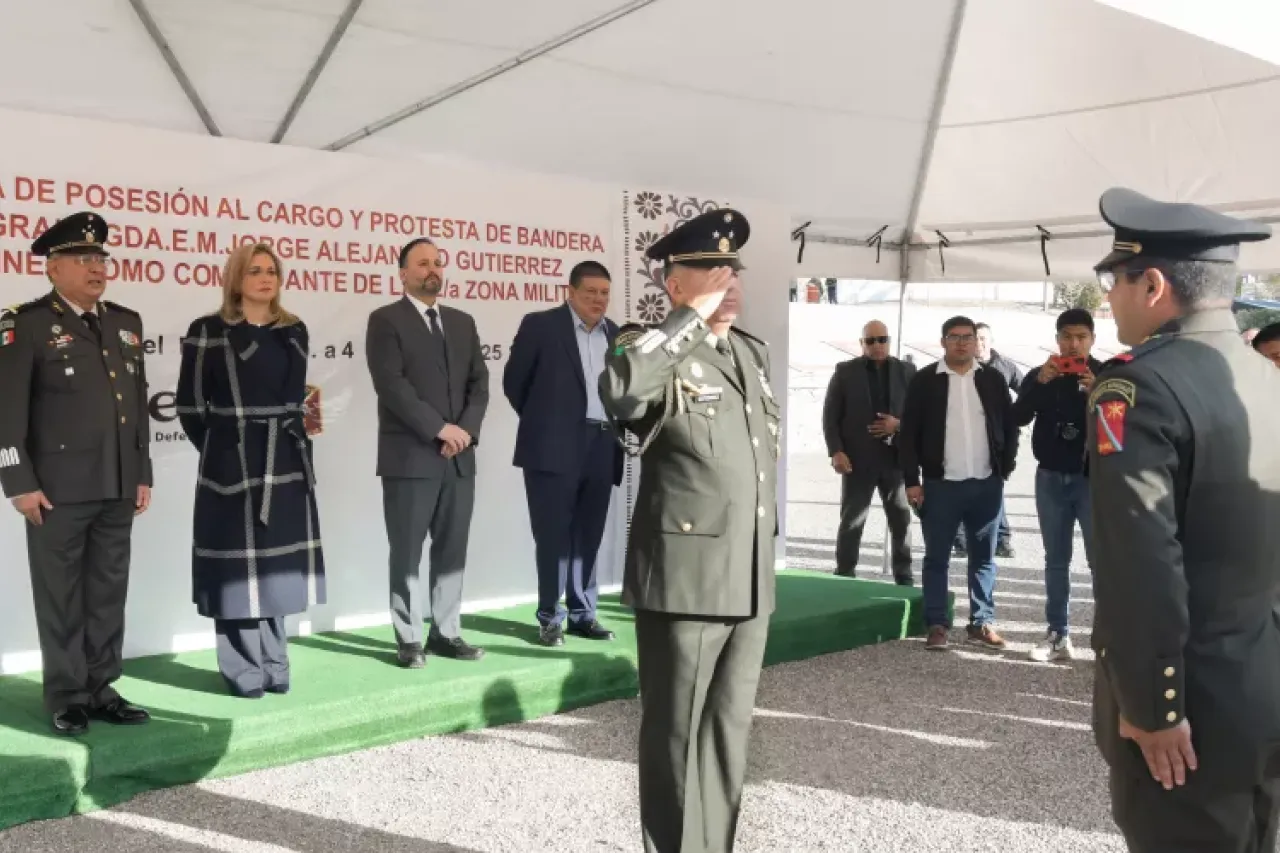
x,y
949,504
1062,500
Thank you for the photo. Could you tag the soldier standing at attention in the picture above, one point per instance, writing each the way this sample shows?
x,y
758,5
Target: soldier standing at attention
x,y
1184,475
74,460
699,568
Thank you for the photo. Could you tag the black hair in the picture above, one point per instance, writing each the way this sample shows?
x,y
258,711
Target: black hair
x,y
588,269
956,322
410,246
1075,317
1266,336
1194,283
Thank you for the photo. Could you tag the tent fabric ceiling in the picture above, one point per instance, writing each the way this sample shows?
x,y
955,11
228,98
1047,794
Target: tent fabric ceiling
x,y
820,106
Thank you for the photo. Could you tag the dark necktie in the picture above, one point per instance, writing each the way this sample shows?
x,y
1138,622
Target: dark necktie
x,y
722,346
91,320
437,338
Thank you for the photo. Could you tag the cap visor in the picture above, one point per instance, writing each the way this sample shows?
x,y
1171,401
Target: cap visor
x,y
1111,260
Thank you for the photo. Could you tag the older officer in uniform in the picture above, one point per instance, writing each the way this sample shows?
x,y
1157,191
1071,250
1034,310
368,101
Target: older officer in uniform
x,y
1185,484
699,569
74,461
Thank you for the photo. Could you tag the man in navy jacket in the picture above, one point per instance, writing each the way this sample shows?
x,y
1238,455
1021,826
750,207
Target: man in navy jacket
x,y
568,451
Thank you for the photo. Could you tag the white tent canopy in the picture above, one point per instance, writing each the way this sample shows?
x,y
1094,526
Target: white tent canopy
x,y
984,124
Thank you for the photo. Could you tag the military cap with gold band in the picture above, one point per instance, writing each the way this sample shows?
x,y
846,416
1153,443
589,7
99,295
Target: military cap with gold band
x,y
1172,231
709,240
78,234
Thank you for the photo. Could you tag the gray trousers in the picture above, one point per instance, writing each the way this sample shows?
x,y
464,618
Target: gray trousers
x,y
414,507
79,561
698,684
856,490
1195,818
253,654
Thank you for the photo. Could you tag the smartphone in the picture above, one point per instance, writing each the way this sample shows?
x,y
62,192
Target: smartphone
x,y
1070,364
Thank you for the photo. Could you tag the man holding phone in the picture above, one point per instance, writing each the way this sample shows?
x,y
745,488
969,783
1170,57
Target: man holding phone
x,y
1055,395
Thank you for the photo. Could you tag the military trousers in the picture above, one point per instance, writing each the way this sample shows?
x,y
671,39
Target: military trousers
x,y
79,561
698,682
1199,817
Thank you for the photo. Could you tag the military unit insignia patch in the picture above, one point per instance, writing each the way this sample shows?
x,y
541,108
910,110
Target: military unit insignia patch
x,y
1111,415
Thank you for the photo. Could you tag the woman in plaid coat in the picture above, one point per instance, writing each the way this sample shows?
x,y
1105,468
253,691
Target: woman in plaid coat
x,y
257,556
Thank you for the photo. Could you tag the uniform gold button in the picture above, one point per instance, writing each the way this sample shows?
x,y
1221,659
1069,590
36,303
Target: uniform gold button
x,y
1168,672
760,511
762,476
104,354
1102,653
1172,716
1169,694
113,374
711,411
686,527
748,408
755,442
122,420
119,396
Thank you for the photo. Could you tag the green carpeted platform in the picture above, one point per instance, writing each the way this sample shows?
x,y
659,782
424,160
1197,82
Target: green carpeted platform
x,y
349,694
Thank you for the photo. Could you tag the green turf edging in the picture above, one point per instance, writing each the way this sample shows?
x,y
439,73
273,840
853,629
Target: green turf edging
x,y
349,695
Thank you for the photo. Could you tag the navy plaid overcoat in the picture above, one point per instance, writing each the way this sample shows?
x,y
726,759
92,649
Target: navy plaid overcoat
x,y
256,550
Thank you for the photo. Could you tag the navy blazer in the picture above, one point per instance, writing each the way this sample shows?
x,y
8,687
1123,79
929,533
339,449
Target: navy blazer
x,y
544,383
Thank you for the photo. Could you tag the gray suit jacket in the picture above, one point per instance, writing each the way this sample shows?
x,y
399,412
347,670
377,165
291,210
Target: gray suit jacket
x,y
416,398
849,410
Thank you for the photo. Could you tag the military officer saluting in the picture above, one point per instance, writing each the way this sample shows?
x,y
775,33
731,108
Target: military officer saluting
x,y
1184,474
699,567
74,461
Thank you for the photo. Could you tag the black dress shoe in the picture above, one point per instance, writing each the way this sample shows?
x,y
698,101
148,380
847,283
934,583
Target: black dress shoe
x,y
551,635
118,712
72,721
905,580
452,647
592,630
411,657
1005,551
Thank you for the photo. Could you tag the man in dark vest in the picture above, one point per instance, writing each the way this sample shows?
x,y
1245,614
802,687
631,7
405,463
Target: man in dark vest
x,y
74,460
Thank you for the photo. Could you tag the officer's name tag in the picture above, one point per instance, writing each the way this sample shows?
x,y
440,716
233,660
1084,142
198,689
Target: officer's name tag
x,y
708,394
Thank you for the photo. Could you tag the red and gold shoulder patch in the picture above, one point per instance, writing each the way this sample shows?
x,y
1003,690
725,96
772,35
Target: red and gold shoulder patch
x,y
1111,415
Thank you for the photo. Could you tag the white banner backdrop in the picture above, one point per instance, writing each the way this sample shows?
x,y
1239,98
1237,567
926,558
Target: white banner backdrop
x,y
178,203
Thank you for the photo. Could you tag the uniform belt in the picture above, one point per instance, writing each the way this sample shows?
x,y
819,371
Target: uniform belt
x,y
600,425
292,425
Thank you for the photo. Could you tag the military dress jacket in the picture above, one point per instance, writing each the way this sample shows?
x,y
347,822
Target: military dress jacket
x,y
73,409
1184,475
705,519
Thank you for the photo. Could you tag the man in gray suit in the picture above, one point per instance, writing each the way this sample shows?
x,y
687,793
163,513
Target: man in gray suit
x,y
860,423
429,372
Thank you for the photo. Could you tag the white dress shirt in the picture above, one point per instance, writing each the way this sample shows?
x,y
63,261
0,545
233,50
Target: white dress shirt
x,y
593,344
966,453
422,312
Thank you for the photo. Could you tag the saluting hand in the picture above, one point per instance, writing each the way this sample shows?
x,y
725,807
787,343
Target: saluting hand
x,y
31,505
144,500
1169,753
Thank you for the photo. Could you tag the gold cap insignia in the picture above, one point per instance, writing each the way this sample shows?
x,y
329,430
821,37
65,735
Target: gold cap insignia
x,y
724,244
728,217
1123,246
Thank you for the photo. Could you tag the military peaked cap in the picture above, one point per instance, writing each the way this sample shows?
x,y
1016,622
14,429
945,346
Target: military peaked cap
x,y
709,240
1177,231
79,233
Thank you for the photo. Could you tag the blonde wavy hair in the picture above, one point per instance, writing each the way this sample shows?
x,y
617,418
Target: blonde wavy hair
x,y
233,275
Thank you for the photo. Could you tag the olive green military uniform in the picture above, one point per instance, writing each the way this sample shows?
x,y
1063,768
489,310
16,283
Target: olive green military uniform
x,y
1184,473
699,566
73,424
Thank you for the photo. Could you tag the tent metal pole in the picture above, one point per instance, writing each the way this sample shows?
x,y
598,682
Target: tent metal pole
x,y
931,137
162,44
339,30
490,73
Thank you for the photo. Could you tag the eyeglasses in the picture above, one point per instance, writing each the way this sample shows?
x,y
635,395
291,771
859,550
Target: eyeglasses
x,y
87,260
878,339
961,339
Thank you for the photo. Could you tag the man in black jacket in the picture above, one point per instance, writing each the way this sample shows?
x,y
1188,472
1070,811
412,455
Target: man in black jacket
x,y
860,422
959,432
1055,395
